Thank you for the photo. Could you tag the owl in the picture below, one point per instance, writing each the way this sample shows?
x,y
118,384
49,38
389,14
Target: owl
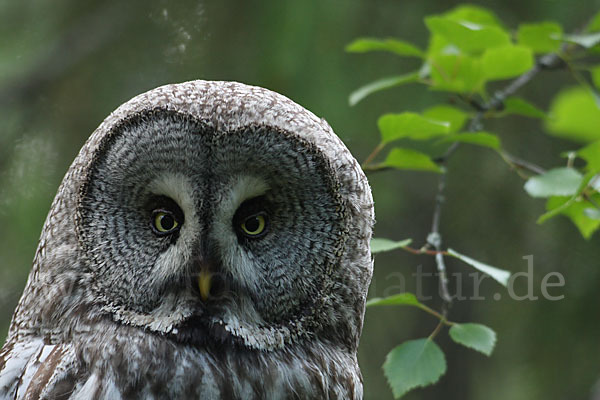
x,y
210,241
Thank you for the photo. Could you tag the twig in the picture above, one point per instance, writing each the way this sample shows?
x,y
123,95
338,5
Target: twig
x,y
376,168
519,164
371,156
436,314
437,329
435,240
548,61
425,251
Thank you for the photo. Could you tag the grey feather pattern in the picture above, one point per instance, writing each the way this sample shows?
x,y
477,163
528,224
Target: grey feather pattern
x,y
111,310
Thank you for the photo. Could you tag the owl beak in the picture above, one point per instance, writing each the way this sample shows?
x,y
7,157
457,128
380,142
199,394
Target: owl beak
x,y
204,283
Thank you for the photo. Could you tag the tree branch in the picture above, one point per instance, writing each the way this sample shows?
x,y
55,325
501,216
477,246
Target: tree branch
x,y
549,61
496,103
424,251
370,157
435,240
519,164
546,62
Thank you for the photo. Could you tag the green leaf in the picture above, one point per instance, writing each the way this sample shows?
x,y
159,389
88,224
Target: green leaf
x,y
395,46
410,125
415,363
475,336
595,72
594,24
591,154
401,299
506,61
574,209
461,14
457,73
380,245
556,182
540,37
469,36
555,207
472,13
484,139
401,158
575,115
585,40
452,115
500,275
516,105
381,84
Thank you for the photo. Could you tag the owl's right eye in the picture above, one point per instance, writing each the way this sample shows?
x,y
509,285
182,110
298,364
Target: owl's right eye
x,y
165,216
164,221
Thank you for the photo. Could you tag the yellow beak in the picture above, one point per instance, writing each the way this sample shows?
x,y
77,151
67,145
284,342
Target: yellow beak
x,y
204,283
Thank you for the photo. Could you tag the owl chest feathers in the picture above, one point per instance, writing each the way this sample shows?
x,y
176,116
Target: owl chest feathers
x,y
113,364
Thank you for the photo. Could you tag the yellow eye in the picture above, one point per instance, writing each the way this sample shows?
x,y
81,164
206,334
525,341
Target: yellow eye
x,y
254,225
164,221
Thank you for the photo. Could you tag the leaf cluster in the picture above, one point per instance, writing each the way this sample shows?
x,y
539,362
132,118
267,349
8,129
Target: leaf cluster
x,y
469,48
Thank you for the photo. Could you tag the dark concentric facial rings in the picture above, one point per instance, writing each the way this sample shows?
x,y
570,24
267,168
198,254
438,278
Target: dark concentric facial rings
x,y
175,198
210,240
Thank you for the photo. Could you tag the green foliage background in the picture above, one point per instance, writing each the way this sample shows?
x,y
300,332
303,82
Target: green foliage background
x,y
65,65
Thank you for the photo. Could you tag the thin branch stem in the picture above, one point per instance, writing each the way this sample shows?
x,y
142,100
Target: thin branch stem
x,y
519,165
437,329
375,168
546,62
425,251
430,311
377,150
495,103
435,240
436,314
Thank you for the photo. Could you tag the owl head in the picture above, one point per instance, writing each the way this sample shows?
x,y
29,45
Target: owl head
x,y
208,212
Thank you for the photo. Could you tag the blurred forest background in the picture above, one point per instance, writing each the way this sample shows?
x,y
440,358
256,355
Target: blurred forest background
x,y
66,64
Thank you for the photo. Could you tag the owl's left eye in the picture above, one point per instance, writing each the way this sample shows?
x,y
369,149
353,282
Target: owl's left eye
x,y
164,222
251,220
254,225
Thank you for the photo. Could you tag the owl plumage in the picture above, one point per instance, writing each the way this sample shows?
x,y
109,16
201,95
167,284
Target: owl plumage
x,y
210,240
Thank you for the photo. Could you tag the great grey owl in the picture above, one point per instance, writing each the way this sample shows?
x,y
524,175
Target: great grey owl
x,y
211,241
